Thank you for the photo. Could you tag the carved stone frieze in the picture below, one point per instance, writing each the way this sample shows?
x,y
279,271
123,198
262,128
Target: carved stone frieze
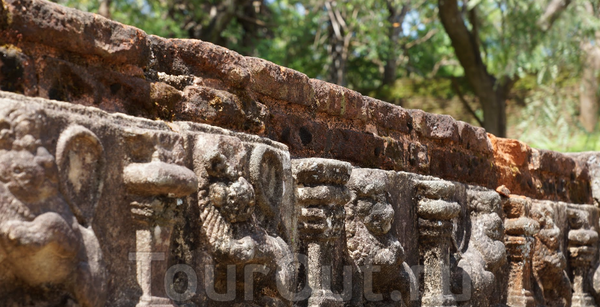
x,y
100,209
65,241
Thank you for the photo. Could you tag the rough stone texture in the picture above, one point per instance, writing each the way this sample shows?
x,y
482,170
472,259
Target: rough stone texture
x,y
113,248
549,262
373,243
103,209
55,52
486,253
231,181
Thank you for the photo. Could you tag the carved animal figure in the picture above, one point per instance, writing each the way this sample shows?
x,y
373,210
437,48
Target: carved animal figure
x,y
486,252
42,244
369,218
227,204
549,262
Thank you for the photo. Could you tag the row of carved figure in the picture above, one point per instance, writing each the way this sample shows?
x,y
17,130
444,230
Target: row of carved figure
x,y
110,210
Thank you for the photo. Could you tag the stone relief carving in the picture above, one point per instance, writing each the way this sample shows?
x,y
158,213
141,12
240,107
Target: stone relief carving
x,y
582,239
485,253
549,262
55,165
436,210
235,230
156,184
369,218
519,240
46,242
321,195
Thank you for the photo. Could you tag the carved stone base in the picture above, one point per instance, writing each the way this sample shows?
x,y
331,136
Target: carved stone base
x,y
154,301
441,300
522,299
583,300
324,298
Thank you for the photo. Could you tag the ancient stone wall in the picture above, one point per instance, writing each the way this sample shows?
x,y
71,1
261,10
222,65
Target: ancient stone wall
x,y
144,171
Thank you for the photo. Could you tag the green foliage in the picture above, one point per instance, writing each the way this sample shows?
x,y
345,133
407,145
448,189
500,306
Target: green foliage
x,y
293,39
550,121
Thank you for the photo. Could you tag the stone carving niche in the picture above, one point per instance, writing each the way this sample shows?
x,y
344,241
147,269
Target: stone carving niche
x,y
549,262
156,183
436,212
240,221
485,253
519,241
321,195
49,254
385,279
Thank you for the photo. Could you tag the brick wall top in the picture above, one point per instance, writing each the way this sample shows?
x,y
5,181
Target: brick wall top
x,y
50,51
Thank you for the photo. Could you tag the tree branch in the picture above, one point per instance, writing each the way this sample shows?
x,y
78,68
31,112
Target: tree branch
x,y
255,21
466,48
422,39
464,102
439,64
553,10
475,24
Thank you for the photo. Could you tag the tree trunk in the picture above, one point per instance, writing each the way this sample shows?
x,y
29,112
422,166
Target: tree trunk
x,y
494,112
337,70
588,98
339,42
491,95
396,17
588,95
220,17
491,91
104,9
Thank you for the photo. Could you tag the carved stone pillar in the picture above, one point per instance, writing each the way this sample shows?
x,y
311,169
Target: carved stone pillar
x,y
321,195
582,253
519,240
435,239
157,186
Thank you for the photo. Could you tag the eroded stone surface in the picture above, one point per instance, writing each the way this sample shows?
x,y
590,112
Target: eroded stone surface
x,y
372,244
202,216
549,262
43,234
486,253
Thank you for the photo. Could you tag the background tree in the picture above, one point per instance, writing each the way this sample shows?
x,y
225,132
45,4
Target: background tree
x,y
589,77
492,88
